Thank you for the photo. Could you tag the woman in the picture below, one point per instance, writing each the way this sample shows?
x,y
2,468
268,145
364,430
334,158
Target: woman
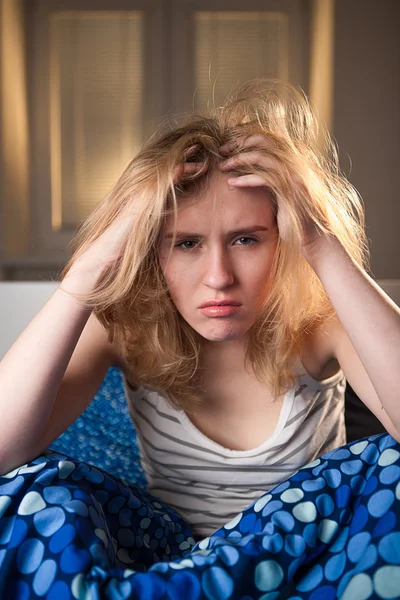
x,y
225,276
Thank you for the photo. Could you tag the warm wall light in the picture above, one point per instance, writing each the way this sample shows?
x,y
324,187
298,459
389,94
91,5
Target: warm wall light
x,y
96,106
232,47
55,129
14,129
322,59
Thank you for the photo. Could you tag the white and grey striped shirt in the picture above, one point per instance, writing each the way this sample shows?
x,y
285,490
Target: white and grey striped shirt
x,y
209,484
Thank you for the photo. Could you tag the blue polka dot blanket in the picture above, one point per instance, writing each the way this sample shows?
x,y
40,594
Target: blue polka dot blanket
x,y
69,530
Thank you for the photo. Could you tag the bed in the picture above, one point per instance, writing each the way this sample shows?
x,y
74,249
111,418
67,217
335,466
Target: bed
x,y
78,523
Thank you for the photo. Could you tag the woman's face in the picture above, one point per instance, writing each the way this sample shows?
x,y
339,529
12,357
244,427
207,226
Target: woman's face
x,y
223,252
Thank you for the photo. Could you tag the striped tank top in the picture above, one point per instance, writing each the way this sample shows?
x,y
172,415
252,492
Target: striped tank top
x,y
209,484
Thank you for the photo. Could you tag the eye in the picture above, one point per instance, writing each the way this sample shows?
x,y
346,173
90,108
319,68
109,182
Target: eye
x,y
184,247
246,241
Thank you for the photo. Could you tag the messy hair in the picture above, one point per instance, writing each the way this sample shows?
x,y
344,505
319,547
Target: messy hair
x,y
132,300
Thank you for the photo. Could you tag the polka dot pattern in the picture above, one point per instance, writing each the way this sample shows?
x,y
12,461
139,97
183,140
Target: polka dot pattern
x,y
333,528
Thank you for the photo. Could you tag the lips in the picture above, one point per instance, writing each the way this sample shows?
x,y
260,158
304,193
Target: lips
x,y
219,303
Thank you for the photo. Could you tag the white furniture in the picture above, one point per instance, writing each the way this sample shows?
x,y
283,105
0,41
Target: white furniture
x,y
19,303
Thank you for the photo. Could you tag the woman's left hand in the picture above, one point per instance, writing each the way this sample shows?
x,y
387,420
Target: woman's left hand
x,y
258,154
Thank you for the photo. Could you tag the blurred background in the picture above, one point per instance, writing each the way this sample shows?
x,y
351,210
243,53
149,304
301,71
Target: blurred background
x,y
84,82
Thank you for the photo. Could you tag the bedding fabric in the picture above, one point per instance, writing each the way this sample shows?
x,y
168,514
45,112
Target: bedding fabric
x,y
69,530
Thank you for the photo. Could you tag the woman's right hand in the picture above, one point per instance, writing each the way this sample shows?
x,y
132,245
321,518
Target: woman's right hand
x,y
105,251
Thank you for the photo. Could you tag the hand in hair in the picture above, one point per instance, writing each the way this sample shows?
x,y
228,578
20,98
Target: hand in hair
x,y
256,161
98,254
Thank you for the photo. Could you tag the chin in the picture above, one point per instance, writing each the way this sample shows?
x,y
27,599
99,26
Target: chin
x,y
221,334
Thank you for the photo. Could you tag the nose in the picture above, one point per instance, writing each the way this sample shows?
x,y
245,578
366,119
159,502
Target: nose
x,y
218,270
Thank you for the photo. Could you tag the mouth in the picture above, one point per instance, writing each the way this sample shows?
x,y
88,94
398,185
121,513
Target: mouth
x,y
219,309
215,303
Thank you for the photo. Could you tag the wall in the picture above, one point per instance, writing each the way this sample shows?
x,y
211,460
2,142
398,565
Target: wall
x,y
366,124
14,141
367,118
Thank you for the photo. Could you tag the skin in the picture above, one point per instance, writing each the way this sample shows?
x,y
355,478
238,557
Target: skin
x,y
213,264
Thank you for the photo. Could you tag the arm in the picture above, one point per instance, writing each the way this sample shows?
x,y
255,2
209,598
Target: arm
x,y
366,337
43,389
53,370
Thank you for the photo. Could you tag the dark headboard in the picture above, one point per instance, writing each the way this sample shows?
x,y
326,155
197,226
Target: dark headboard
x,y
360,421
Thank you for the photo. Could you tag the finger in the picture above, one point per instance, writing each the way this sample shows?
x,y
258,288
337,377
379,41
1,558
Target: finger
x,y
247,181
177,172
260,140
194,168
229,147
255,139
239,161
189,151
255,159
188,169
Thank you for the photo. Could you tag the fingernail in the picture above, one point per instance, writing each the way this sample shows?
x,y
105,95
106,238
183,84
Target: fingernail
x,y
191,148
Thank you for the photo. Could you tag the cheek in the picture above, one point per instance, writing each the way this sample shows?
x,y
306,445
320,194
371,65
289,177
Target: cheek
x,y
261,266
177,279
259,277
172,285
167,266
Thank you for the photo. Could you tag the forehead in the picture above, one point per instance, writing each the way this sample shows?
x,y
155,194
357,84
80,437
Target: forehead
x,y
220,203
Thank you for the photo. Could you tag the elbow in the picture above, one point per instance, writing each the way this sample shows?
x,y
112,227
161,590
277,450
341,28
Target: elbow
x,y
392,430
395,435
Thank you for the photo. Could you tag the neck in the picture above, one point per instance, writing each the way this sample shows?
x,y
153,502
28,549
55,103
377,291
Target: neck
x,y
228,356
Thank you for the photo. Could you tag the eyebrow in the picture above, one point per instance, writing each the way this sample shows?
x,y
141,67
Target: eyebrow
x,y
186,234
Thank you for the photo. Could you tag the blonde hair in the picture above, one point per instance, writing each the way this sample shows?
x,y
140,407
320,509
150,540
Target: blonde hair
x,y
132,299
